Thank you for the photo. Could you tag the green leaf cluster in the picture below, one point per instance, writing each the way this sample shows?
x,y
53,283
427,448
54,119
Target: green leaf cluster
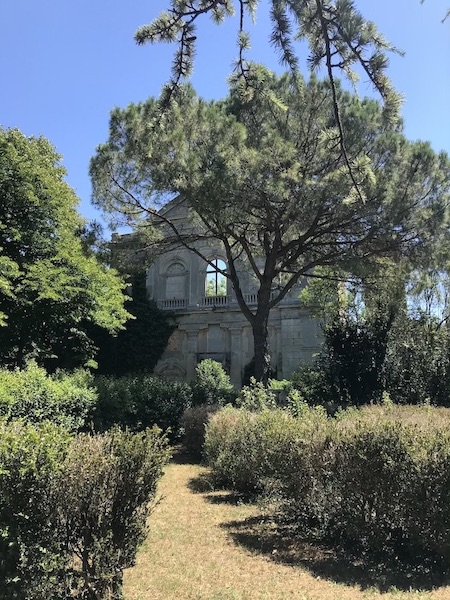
x,y
339,38
211,384
49,285
73,510
65,399
140,344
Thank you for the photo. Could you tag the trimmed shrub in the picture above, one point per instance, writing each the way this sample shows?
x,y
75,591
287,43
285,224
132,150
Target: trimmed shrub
x,y
108,483
376,478
193,424
229,449
73,510
247,450
65,399
140,401
32,554
212,384
394,469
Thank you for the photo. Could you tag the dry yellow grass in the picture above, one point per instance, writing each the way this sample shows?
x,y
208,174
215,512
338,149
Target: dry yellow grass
x,y
204,546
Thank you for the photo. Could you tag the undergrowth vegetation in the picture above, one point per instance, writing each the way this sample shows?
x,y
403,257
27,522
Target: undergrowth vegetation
x,y
140,401
63,398
73,509
374,479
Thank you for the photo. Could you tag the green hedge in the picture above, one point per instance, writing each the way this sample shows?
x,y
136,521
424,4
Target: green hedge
x,y
31,540
140,401
192,426
376,478
73,509
65,399
247,450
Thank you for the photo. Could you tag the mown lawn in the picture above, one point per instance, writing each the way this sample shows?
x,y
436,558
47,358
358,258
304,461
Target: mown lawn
x,y
206,545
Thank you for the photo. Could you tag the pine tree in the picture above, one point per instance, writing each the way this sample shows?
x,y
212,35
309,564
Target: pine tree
x,y
270,181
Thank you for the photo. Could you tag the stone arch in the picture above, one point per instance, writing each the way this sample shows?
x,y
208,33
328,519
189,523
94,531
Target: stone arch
x,y
175,275
215,281
171,370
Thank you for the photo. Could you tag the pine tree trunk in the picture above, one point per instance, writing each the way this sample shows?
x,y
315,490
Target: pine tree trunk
x,y
261,348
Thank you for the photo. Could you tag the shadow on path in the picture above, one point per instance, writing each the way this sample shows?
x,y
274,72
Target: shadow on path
x,y
181,457
280,543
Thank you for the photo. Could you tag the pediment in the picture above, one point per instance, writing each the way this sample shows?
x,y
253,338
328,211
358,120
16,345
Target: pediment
x,y
176,209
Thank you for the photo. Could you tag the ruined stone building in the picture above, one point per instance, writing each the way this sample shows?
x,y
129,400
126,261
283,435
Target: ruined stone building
x,y
209,321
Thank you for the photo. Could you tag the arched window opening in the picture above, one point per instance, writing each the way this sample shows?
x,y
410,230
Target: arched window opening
x,y
216,282
176,281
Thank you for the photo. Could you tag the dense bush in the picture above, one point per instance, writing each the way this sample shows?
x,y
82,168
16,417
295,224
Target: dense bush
x,y
406,356
31,540
246,450
108,483
314,387
211,384
65,399
256,396
140,401
73,509
138,347
193,423
417,366
376,478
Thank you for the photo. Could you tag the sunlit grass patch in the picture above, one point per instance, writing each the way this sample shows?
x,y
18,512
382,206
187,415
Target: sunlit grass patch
x,y
206,545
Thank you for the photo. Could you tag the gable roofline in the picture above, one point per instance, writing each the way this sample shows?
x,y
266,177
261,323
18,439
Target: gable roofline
x,y
174,203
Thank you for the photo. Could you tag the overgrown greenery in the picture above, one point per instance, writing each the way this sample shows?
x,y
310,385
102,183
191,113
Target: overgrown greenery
x,y
374,479
417,364
384,333
140,401
211,389
73,510
138,347
31,394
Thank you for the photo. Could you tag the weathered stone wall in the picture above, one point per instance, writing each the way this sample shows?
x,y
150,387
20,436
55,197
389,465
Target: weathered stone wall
x,y
214,327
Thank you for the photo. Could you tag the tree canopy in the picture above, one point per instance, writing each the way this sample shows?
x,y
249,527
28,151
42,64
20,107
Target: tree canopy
x,y
50,286
339,37
265,174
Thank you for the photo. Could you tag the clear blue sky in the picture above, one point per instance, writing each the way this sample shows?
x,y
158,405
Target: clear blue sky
x,y
65,64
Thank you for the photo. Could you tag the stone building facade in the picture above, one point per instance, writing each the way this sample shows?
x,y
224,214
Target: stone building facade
x,y
209,321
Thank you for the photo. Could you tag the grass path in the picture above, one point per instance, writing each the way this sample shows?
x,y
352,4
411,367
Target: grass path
x,y
205,546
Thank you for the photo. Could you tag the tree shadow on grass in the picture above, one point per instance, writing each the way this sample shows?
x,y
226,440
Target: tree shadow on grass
x,y
181,457
201,484
283,545
204,484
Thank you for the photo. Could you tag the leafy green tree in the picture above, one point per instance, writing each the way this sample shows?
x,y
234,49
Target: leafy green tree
x,y
50,287
267,177
357,315
341,42
385,332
